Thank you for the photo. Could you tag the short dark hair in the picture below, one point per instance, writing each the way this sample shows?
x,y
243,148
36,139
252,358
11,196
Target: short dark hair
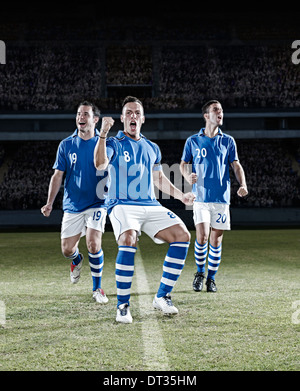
x,y
130,99
207,104
95,109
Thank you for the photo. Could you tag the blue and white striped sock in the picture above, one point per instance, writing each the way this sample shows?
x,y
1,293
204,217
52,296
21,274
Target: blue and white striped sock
x,y
214,260
172,267
124,273
76,258
200,256
96,264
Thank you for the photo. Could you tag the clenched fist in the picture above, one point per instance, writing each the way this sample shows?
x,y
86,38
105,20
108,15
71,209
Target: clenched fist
x,y
242,191
188,198
46,210
107,123
192,178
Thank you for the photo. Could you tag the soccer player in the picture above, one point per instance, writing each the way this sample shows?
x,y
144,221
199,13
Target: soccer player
x,y
211,152
134,168
84,211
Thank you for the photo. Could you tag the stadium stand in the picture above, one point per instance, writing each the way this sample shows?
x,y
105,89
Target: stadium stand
x,y
55,78
272,182
246,62
174,64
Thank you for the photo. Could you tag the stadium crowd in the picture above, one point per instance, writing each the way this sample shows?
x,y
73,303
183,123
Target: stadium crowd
x,y
186,24
272,181
240,76
180,77
181,56
44,79
245,64
271,178
25,181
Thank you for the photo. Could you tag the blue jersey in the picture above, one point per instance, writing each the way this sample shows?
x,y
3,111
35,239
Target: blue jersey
x,y
130,170
75,157
210,159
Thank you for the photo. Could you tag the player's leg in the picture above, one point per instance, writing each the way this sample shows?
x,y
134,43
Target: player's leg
x,y
202,219
125,265
71,230
95,223
200,252
214,258
69,247
126,226
96,262
124,273
178,238
174,233
220,221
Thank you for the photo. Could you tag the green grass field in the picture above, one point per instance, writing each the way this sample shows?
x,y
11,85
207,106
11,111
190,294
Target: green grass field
x,y
250,324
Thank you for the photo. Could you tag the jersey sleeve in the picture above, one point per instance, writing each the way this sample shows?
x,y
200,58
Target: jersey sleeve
x,y
110,149
187,152
157,164
60,162
233,155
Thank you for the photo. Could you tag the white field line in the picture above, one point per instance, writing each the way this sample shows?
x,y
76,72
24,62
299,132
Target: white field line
x,y
155,354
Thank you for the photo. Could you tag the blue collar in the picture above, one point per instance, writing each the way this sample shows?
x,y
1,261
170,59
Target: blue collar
x,y
121,135
75,134
201,133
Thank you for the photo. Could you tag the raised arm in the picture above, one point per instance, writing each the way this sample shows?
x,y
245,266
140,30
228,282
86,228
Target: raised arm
x,y
100,156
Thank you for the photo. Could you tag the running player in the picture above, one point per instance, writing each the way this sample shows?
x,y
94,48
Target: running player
x,y
134,168
84,212
211,152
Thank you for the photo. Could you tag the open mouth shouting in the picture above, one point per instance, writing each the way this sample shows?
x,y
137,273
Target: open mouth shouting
x,y
81,125
133,118
220,118
133,126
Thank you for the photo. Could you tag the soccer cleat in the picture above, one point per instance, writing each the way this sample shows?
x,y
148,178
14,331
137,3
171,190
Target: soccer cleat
x,y
75,271
198,282
165,305
123,314
99,296
211,285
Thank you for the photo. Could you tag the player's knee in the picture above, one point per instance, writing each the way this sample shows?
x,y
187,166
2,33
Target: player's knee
x,y
93,247
128,241
183,235
202,239
216,242
186,237
128,238
216,237
67,249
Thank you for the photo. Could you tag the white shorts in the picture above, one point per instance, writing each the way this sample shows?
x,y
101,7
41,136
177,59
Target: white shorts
x,y
75,223
217,215
149,219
